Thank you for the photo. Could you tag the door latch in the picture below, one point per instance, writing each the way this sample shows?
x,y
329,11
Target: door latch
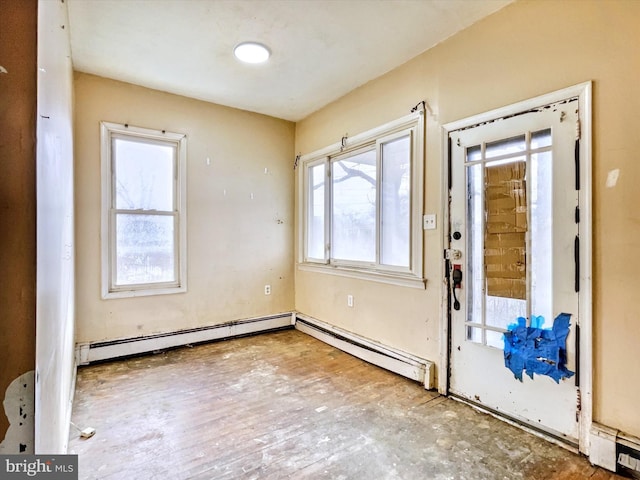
x,y
452,254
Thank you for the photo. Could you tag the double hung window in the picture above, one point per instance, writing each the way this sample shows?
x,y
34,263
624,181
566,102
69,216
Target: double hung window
x,y
143,211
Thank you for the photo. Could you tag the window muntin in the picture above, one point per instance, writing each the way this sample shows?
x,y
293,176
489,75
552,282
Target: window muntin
x,y
361,212
144,217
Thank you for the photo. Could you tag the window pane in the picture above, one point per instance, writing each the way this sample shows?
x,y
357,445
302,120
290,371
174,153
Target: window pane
x,y
354,208
315,245
396,203
144,249
143,175
505,147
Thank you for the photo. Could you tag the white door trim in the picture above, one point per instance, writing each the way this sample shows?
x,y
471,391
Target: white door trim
x,y
583,92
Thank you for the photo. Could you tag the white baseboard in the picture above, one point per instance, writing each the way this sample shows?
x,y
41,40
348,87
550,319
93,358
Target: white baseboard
x,y
388,358
97,351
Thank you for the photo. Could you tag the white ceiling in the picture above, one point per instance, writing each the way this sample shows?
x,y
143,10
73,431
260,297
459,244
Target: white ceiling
x,y
322,49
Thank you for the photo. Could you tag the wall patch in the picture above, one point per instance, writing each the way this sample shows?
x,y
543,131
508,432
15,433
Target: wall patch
x,y
612,177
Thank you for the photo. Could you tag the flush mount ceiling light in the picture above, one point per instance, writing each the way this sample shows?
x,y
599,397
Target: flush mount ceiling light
x,y
251,52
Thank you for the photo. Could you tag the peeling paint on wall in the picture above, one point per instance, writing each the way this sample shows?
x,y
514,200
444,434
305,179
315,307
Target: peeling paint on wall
x,y
19,408
538,350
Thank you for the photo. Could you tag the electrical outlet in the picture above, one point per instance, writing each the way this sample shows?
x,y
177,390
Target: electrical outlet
x,y
429,221
267,289
349,300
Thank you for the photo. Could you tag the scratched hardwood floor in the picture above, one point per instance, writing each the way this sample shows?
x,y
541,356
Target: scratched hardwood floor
x,y
284,405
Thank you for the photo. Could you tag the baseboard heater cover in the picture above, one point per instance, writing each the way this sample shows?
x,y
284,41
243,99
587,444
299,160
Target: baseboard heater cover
x,y
391,359
87,353
614,450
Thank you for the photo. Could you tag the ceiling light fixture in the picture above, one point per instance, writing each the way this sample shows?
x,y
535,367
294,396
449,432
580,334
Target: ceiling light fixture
x,y
251,52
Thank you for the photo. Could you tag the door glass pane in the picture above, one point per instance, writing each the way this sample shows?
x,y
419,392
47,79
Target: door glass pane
x,y
144,249
542,237
502,311
315,240
474,153
395,203
506,146
475,244
354,208
495,339
541,138
474,334
143,175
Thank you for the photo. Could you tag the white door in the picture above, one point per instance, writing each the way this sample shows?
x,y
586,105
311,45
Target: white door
x,y
514,224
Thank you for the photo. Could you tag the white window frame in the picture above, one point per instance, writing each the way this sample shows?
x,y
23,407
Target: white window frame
x,y
108,231
413,125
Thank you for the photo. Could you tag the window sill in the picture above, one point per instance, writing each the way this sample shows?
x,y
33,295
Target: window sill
x,y
391,278
143,292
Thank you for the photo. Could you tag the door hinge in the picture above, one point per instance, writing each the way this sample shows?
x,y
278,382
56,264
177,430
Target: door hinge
x,y
578,129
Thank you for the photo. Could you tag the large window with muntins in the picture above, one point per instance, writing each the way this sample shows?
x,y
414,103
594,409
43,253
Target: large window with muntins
x,y
362,205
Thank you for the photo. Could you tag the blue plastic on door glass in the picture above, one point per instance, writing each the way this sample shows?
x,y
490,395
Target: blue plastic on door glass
x,y
538,350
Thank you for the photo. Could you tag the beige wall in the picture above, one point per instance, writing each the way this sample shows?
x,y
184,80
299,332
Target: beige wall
x,y
236,243
17,221
527,49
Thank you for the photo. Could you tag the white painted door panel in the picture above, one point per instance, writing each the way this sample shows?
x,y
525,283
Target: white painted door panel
x,y
538,146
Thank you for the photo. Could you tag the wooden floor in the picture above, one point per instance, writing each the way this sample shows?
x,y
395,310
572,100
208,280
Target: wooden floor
x,y
284,405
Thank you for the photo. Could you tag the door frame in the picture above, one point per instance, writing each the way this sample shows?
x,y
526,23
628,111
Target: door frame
x,y
583,92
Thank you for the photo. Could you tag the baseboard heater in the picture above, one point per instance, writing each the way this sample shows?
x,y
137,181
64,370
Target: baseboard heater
x,y
399,362
87,353
615,450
